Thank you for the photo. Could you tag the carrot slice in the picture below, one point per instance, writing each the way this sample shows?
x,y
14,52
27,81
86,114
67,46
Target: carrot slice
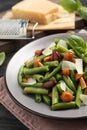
x,y
36,63
78,76
37,53
66,96
65,72
48,58
83,83
73,60
69,56
40,64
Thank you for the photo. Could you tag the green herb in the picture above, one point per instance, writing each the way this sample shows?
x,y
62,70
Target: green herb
x,y
75,6
83,12
78,45
2,57
69,5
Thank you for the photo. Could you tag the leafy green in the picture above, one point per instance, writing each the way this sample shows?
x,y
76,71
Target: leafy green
x,y
78,42
75,5
2,57
70,5
83,12
79,46
79,4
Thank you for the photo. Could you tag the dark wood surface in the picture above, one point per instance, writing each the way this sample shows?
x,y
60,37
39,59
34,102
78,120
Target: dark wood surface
x,y
7,120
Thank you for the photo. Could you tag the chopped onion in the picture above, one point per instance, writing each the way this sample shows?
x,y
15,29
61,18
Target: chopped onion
x,y
83,98
68,64
63,85
62,43
79,66
48,50
31,81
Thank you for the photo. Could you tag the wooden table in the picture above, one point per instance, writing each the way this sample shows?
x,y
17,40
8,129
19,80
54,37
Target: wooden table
x,y
7,120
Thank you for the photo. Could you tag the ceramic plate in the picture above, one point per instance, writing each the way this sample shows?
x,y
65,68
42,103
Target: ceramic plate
x,y
16,91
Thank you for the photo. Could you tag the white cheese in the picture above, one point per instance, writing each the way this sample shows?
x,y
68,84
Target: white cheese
x,y
42,11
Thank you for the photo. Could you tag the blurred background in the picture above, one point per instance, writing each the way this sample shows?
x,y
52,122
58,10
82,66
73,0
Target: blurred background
x,y
6,4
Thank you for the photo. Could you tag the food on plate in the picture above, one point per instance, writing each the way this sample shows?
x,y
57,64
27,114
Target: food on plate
x,y
57,75
42,11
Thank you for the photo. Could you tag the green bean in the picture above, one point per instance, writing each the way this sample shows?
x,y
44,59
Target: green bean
x,y
66,89
62,49
69,82
34,90
27,76
46,74
20,74
35,70
30,64
72,76
77,100
38,77
53,72
63,105
59,88
56,41
46,99
53,78
38,97
55,95
24,84
69,90
52,63
58,77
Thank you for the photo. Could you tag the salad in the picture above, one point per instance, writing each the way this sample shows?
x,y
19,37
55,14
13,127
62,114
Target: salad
x,y
57,75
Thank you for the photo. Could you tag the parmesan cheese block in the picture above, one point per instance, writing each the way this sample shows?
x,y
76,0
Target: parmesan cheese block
x,y
42,11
